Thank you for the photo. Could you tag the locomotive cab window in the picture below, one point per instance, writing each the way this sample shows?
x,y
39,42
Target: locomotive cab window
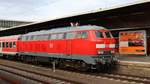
x,y
84,34
81,35
99,34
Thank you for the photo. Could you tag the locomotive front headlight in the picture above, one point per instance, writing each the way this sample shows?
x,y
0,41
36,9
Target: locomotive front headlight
x,y
111,45
100,52
112,51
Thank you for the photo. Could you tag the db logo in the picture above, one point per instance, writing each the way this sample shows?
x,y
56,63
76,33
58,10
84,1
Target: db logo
x,y
50,45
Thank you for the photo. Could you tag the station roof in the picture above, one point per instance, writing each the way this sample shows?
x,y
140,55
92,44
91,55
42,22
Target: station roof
x,y
85,18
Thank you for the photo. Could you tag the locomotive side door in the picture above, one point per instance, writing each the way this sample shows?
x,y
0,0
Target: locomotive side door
x,y
80,45
0,46
68,48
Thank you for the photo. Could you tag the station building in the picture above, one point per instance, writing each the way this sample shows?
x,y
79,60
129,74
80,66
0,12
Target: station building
x,y
5,24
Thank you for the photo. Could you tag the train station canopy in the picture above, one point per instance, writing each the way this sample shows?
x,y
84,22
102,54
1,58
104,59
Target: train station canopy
x,y
134,15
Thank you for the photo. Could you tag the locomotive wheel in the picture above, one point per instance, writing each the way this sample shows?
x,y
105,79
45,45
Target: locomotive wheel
x,y
84,66
61,64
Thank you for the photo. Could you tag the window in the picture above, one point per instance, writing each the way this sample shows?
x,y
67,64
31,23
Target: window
x,y
3,44
26,38
0,44
78,35
70,35
7,44
31,37
23,38
14,44
108,35
34,37
99,34
53,36
44,37
49,36
81,35
10,44
60,36
37,37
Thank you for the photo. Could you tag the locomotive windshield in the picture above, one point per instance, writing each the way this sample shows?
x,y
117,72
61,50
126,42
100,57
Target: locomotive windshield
x,y
108,34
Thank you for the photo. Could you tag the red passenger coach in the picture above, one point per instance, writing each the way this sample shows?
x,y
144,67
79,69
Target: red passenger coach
x,y
8,45
81,45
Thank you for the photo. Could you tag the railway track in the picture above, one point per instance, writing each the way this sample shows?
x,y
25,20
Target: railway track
x,y
110,76
84,76
129,79
32,77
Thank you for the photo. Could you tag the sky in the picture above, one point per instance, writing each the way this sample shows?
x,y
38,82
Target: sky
x,y
39,10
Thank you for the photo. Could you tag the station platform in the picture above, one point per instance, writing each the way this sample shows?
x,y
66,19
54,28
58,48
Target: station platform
x,y
136,65
134,58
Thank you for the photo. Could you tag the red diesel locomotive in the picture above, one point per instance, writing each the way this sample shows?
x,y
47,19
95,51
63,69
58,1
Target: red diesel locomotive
x,y
80,46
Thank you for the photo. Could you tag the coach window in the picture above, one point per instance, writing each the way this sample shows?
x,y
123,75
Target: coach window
x,y
7,45
10,44
70,35
3,44
14,44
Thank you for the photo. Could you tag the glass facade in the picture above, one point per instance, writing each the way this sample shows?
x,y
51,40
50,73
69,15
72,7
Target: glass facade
x,y
10,23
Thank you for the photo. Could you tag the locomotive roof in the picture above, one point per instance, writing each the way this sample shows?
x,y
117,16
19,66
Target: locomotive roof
x,y
66,29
